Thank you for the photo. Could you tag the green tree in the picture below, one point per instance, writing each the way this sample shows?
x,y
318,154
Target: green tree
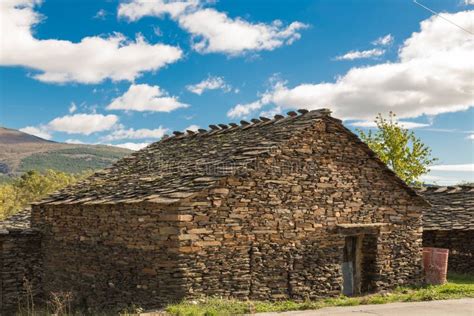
x,y
399,149
8,200
32,186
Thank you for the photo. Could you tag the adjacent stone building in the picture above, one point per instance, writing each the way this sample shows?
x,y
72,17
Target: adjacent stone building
x,y
449,223
290,207
20,263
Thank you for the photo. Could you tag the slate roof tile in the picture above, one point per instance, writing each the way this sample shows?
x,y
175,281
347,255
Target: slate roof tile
x,y
19,222
452,208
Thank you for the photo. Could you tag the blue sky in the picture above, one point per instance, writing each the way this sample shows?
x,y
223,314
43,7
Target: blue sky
x,y
126,72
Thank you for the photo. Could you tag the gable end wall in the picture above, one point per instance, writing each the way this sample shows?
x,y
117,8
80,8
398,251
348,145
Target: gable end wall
x,y
272,233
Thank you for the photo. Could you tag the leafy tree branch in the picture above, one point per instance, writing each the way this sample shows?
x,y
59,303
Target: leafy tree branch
x,y
399,148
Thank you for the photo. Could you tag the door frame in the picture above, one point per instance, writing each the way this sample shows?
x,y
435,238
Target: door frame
x,y
363,281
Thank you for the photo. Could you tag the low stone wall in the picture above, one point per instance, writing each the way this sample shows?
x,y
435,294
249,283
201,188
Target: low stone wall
x,y
111,256
20,266
460,245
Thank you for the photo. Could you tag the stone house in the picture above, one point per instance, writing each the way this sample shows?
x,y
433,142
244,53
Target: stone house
x,y
449,223
290,207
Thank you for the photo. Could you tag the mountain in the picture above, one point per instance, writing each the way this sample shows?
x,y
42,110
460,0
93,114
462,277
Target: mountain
x,y
20,152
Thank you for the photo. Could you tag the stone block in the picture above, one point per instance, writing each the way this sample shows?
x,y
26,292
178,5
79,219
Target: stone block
x,y
176,218
207,243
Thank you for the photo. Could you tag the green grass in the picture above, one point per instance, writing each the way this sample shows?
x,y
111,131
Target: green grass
x,y
459,286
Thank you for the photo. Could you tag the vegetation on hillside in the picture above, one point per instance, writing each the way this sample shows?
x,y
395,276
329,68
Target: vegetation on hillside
x,y
72,160
399,149
32,186
5,179
21,152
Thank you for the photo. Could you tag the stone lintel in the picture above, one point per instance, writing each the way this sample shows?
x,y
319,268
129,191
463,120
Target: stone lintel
x,y
356,229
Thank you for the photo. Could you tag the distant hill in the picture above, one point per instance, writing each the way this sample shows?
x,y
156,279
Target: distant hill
x,y
20,152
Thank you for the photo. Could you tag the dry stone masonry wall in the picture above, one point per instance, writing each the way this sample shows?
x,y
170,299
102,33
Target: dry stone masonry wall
x,y
111,256
20,263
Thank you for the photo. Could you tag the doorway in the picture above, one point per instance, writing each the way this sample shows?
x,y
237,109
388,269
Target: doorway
x,y
351,266
359,271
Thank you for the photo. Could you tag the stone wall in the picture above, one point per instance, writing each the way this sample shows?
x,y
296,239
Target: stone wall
x,y
19,262
111,256
460,245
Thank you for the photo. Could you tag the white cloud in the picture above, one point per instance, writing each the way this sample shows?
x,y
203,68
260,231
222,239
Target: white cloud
x,y
211,83
271,112
85,124
142,97
74,141
129,145
192,127
100,15
384,40
455,168
412,125
468,2
136,134
428,178
446,178
72,107
433,75
213,31
450,174
132,146
404,124
471,137
91,60
136,9
356,54
242,110
40,131
370,53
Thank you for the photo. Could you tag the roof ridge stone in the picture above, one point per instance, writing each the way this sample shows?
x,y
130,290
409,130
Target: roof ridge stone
x,y
254,122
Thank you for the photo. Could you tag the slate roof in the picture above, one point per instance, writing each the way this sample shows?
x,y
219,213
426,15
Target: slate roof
x,y
176,167
18,223
452,208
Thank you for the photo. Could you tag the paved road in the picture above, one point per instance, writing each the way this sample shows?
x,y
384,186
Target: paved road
x,y
462,307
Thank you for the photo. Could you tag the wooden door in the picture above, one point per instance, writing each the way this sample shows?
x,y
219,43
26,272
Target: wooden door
x,y
349,266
